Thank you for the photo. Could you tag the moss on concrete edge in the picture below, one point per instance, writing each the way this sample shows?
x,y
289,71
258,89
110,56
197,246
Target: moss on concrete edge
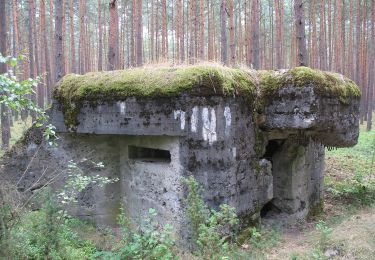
x,y
324,83
200,80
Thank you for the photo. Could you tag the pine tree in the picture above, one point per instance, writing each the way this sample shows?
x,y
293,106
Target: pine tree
x,y
300,32
113,48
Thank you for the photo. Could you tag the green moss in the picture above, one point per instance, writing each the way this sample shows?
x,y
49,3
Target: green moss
x,y
324,83
150,82
199,80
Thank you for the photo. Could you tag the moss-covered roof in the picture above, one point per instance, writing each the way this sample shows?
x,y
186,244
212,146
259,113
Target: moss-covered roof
x,y
201,80
324,83
151,82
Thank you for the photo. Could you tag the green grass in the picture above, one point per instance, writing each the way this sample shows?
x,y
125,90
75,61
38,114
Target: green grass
x,y
17,130
350,171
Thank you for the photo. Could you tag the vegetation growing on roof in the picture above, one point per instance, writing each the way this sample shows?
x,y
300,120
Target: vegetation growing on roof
x,y
150,82
324,83
200,80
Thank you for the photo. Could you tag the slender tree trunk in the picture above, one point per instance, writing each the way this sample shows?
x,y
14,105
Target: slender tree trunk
x,y
113,36
255,35
232,46
182,33
314,49
59,58
82,37
45,48
300,29
139,37
100,48
224,41
5,126
52,40
322,37
31,49
371,71
350,63
192,39
201,31
73,67
152,34
358,42
240,34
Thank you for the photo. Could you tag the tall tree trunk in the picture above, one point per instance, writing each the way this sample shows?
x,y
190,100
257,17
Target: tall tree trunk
x,y
350,63
322,37
210,25
16,41
5,126
152,33
47,65
232,46
73,66
255,35
100,47
371,71
358,43
240,34
31,49
164,31
59,58
52,40
82,37
139,37
201,31
224,41
314,63
39,88
192,39
300,32
113,36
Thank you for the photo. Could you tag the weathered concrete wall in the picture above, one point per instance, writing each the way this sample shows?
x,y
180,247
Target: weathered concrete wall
x,y
326,119
150,144
297,172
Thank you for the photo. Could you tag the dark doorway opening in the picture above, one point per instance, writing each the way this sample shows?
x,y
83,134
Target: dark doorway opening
x,y
145,154
269,210
271,148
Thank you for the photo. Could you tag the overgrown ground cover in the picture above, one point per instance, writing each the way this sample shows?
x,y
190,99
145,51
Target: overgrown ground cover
x,y
346,228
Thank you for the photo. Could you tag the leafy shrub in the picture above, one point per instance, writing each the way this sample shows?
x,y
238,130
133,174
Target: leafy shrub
x,y
46,234
150,241
212,231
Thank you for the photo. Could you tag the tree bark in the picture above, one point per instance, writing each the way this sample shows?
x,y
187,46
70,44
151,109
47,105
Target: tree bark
x,y
201,31
232,45
47,63
5,127
100,47
322,37
255,38
59,58
371,71
224,41
73,66
300,32
139,36
113,36
82,37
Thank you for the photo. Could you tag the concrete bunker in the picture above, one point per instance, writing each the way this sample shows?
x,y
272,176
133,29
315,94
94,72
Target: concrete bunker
x,y
253,140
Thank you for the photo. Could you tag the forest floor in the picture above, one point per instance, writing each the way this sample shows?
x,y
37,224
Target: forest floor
x,y
346,227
